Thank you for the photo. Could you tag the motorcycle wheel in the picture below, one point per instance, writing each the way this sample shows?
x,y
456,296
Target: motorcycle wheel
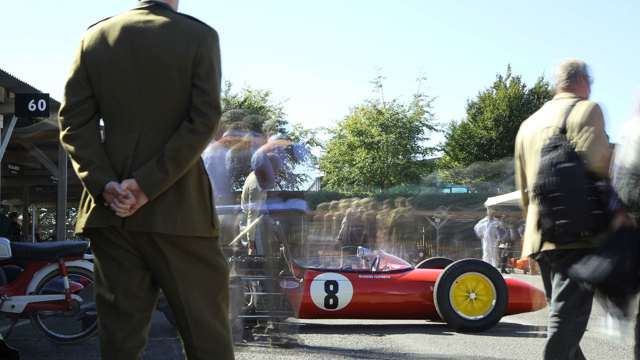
x,y
72,326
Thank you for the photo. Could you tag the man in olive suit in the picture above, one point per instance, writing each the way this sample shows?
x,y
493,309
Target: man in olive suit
x,y
153,76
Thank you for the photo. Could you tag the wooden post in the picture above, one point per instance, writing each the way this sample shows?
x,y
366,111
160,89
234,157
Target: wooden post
x,y
61,205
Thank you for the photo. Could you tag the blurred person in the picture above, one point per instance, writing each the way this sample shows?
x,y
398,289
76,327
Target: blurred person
x,y
15,227
479,229
328,224
316,231
322,218
263,237
238,161
165,67
267,163
569,303
338,216
626,182
240,155
402,229
626,165
383,219
505,243
370,223
491,232
4,221
33,233
317,219
214,158
351,233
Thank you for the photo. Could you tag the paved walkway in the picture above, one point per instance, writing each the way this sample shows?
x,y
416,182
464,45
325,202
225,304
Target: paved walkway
x,y
163,344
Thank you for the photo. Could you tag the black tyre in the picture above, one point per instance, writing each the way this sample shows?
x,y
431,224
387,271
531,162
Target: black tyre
x,y
470,295
434,263
75,325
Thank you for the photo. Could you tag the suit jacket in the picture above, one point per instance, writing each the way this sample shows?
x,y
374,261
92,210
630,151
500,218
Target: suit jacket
x,y
585,129
153,76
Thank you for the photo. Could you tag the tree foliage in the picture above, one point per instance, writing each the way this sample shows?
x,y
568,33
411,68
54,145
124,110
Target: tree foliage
x,y
491,177
380,144
492,121
263,117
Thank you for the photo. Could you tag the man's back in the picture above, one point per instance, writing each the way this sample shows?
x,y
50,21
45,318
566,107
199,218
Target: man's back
x,y
139,64
569,301
153,76
148,74
585,129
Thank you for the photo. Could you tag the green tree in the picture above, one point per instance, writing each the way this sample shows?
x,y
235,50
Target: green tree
x,y
380,144
493,118
264,114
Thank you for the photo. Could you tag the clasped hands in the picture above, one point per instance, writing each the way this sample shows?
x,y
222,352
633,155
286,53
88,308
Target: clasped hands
x,y
124,198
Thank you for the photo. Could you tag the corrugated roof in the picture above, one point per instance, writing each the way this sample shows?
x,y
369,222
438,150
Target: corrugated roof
x,y
16,85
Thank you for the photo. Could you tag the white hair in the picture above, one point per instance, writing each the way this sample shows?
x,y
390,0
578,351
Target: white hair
x,y
569,72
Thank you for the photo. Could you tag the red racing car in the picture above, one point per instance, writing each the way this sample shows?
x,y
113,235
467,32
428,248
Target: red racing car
x,y
358,283
469,294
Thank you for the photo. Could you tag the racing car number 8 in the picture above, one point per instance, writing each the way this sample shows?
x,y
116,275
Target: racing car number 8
x,y
331,300
331,291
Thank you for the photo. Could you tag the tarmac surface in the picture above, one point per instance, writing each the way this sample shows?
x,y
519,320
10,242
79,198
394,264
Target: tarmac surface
x,y
515,337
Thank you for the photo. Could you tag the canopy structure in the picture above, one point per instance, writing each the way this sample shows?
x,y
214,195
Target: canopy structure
x,y
511,199
35,171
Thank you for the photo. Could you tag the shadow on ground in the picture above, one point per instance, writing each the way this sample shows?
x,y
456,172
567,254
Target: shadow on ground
x,y
329,352
503,329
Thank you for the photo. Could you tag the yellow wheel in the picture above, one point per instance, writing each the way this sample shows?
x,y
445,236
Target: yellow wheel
x,y
470,295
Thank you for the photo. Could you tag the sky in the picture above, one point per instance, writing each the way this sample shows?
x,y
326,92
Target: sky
x,y
318,57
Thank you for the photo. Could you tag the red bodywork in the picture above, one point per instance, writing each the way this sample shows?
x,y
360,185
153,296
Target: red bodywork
x,y
395,294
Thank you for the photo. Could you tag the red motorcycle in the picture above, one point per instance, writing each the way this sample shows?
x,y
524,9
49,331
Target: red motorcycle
x,y
50,284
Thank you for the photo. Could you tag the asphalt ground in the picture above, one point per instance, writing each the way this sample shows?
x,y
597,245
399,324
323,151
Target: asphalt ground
x,y
515,337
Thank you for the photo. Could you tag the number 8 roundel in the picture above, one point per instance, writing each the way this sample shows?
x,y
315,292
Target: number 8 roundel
x,y
331,291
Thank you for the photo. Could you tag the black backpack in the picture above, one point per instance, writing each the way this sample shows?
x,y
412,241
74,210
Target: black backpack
x,y
573,203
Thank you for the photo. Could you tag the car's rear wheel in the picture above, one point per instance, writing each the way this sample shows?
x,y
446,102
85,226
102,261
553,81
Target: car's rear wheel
x,y
471,295
437,262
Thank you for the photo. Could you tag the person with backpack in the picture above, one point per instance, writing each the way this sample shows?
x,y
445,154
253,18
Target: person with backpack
x,y
562,154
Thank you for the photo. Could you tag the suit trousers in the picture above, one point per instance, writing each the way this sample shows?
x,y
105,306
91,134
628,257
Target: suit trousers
x,y
131,268
569,304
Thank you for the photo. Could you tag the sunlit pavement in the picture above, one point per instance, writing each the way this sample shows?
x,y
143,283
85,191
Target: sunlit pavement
x,y
516,337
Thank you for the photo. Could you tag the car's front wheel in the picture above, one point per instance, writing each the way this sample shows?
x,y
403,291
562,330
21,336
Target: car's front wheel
x,y
471,295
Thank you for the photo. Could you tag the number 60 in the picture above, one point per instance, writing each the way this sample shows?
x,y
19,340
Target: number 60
x,y
41,105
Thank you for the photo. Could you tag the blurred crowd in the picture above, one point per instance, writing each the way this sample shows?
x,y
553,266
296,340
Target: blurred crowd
x,y
248,154
392,225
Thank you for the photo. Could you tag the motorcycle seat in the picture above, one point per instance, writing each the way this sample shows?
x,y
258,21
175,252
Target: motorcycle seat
x,y
51,250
